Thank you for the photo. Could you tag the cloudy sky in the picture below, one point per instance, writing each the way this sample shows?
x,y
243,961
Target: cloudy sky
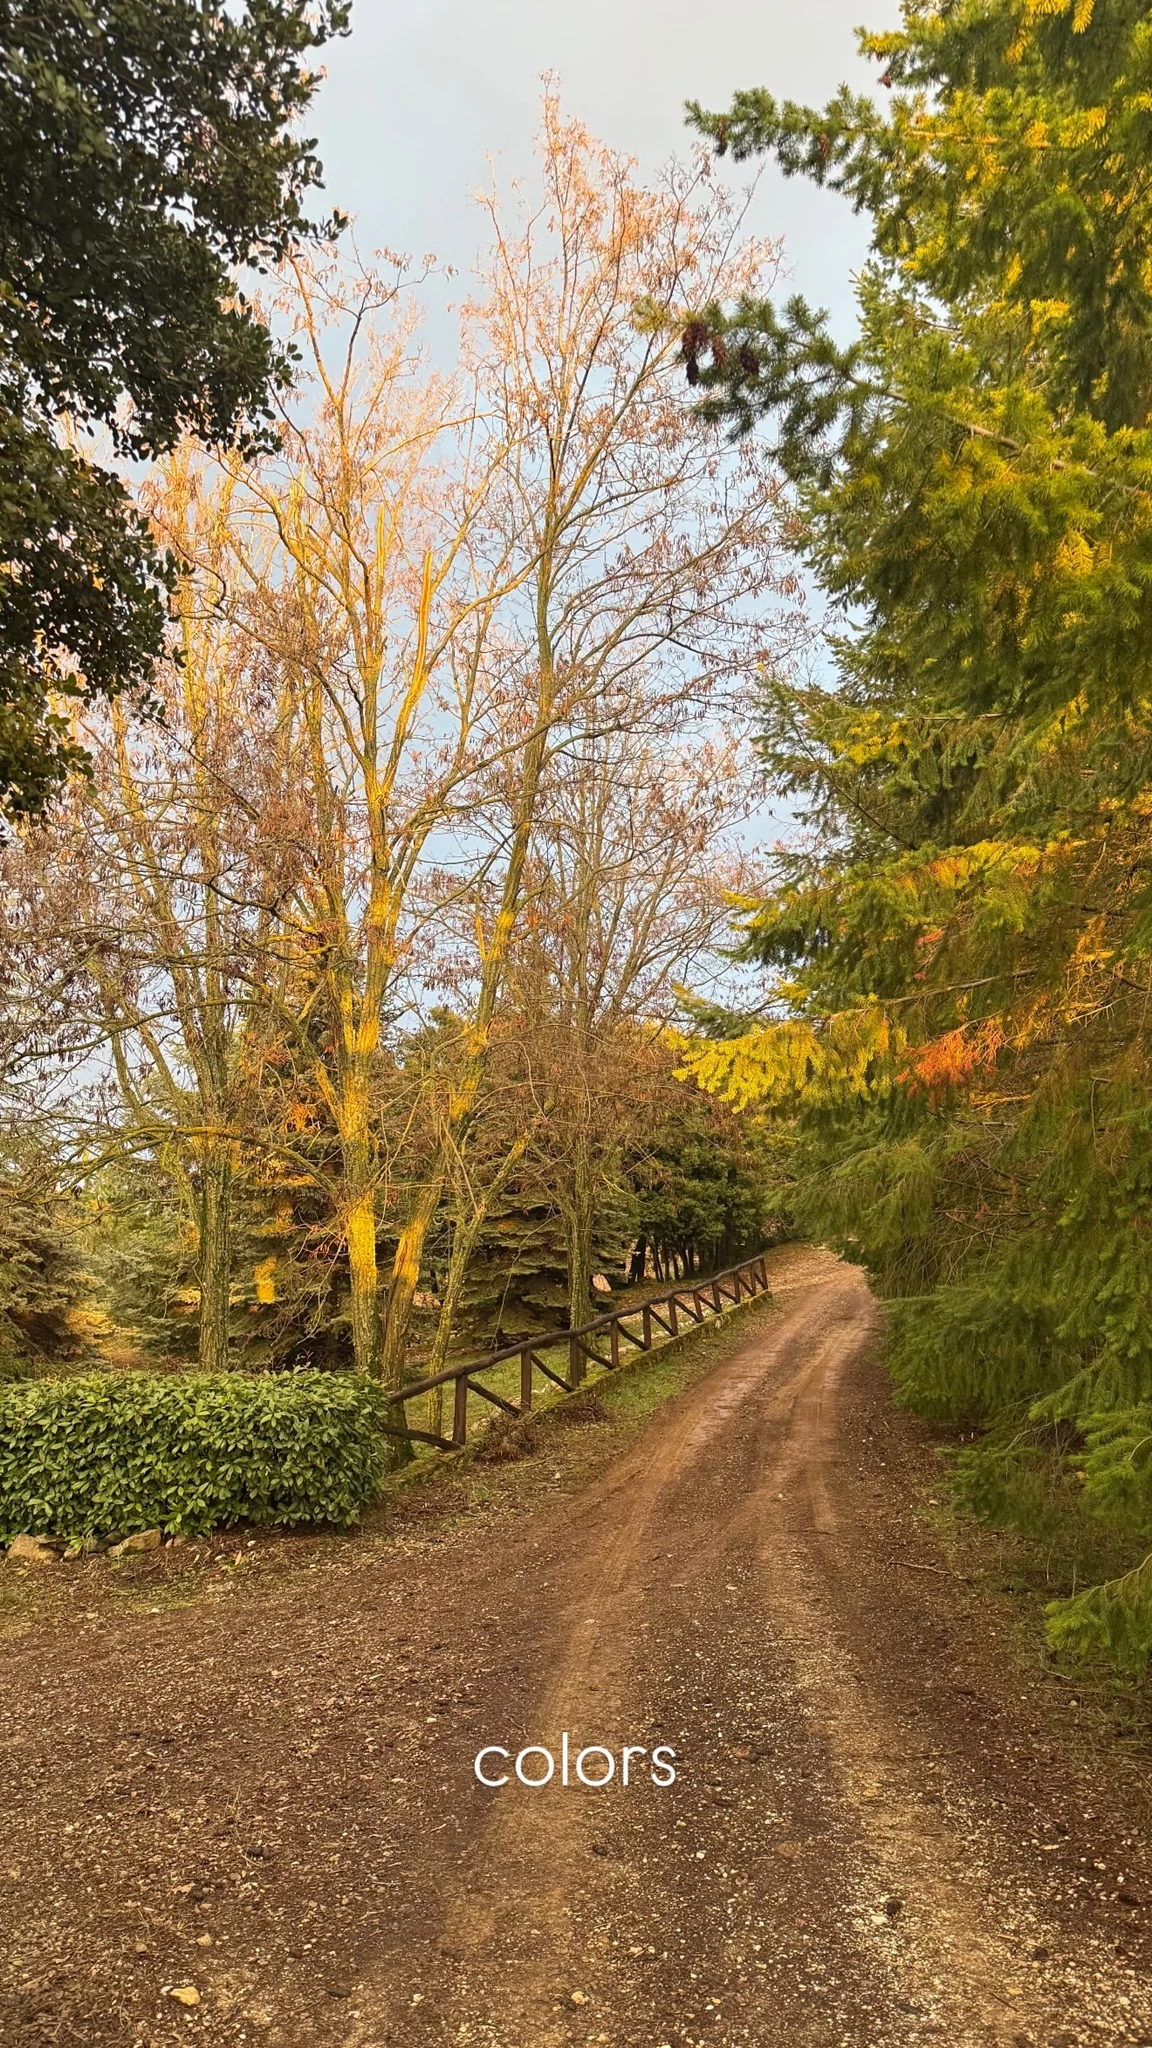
x,y
425,90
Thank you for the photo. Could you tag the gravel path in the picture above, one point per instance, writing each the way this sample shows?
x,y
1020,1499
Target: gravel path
x,y
883,1831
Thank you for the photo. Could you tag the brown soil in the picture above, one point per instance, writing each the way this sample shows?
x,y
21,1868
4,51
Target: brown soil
x,y
254,1780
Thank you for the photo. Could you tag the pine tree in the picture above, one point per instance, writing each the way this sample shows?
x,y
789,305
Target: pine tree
x,y
48,1318
699,1188
960,953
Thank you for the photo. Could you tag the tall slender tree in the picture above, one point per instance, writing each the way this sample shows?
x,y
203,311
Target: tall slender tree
x,y
959,949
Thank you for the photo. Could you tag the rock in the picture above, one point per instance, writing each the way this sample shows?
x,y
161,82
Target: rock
x,y
601,1283
32,1550
144,1539
578,1997
185,1994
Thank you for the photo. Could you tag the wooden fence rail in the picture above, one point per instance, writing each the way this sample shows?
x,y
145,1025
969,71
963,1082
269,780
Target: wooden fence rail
x,y
598,1341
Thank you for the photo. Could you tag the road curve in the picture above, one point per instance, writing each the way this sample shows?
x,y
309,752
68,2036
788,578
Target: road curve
x,y
817,1875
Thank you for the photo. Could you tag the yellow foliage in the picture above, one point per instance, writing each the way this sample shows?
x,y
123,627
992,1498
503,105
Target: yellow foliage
x,y
1082,126
778,1064
1074,556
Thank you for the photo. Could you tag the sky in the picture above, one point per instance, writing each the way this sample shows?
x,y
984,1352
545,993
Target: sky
x,y
424,91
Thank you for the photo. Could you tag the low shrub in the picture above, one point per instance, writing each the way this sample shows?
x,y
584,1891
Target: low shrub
x,y
107,1453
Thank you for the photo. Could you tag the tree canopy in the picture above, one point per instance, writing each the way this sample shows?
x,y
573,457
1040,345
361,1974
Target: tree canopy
x,y
148,151
959,946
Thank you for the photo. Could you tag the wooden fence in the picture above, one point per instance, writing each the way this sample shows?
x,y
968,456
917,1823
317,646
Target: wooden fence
x,y
598,1341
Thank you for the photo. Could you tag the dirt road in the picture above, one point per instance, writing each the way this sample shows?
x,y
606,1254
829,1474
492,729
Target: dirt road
x,y
882,1829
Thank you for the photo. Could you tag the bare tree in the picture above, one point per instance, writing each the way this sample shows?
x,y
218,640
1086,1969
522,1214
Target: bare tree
x,y
357,571
636,861
643,543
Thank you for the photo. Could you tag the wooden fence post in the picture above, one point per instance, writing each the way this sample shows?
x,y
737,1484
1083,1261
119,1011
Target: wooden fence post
x,y
460,1411
525,1381
577,1363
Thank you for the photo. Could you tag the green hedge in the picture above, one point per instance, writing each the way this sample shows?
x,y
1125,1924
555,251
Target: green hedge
x,y
109,1454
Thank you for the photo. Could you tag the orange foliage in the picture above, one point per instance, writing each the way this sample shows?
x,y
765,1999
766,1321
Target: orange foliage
x,y
951,1060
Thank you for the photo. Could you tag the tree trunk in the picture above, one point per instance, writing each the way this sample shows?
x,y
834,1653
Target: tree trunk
x,y
465,1232
353,1117
360,1232
493,961
404,1278
214,1257
463,1244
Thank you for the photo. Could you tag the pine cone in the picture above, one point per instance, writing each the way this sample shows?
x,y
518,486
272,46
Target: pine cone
x,y
694,338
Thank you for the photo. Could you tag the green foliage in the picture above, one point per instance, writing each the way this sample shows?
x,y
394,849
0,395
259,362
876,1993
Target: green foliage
x,y
969,1352
1112,1621
699,1186
113,1453
958,1042
45,1290
147,150
86,578
1019,1477
143,1256
1117,1467
516,1280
